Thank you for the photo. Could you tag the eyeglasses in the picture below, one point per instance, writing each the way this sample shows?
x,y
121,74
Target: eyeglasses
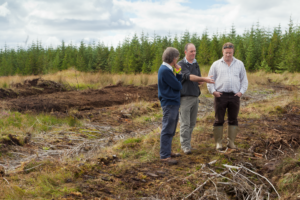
x,y
228,47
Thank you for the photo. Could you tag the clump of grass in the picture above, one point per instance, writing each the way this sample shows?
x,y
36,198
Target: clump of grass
x,y
4,85
280,110
47,185
131,143
141,111
132,140
73,121
15,122
144,79
144,148
290,182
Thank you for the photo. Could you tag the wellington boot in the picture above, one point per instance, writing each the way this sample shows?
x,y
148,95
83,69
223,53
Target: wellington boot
x,y
218,135
232,132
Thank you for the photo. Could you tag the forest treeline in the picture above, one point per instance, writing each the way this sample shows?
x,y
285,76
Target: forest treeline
x,y
260,49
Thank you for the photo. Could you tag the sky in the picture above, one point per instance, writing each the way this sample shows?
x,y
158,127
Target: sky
x,y
111,21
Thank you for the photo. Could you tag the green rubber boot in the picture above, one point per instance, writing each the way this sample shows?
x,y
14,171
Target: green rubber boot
x,y
218,135
232,132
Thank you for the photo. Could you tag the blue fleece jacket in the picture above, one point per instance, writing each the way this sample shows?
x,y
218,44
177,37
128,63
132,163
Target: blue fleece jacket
x,y
169,86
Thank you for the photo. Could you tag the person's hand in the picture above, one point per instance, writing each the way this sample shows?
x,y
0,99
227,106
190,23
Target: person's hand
x,y
200,83
209,79
239,94
217,94
177,66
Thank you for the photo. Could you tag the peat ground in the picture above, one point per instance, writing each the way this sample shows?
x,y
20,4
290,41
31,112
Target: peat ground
x,y
89,161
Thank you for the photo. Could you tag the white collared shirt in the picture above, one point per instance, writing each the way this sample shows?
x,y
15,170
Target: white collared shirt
x,y
231,78
169,66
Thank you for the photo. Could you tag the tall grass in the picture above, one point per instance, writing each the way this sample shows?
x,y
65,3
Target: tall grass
x,y
85,80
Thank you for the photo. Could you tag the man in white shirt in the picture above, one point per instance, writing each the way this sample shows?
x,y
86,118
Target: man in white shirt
x,y
231,83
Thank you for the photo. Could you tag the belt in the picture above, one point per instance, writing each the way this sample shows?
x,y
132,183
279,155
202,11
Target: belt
x,y
228,93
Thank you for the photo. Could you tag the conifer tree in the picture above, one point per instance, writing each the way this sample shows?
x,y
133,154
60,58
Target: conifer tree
x,y
110,59
3,65
69,59
203,56
146,54
239,50
117,63
250,52
81,63
56,62
290,54
134,62
158,54
195,40
186,38
223,38
176,44
31,61
232,34
214,49
258,48
273,53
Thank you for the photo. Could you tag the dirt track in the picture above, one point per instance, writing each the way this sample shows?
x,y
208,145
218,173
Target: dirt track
x,y
47,96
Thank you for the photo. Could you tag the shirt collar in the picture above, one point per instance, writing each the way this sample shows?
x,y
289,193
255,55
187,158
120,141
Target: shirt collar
x,y
233,60
194,61
169,66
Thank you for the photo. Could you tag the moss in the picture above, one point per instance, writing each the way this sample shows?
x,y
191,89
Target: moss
x,y
280,110
132,140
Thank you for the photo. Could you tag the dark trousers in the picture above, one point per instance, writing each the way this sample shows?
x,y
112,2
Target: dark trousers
x,y
169,124
231,103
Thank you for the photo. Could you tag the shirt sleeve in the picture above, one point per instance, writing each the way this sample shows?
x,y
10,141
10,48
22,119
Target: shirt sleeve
x,y
212,72
244,80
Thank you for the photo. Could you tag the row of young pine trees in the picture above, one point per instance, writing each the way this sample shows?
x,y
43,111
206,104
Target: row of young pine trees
x,y
260,49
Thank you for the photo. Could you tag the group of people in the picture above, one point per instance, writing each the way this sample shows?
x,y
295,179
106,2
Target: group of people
x,y
178,94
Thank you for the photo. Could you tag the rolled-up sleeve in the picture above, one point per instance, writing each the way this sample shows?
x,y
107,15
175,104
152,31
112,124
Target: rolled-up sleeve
x,y
212,72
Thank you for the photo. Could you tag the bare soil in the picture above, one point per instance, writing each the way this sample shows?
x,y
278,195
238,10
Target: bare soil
x,y
47,96
32,87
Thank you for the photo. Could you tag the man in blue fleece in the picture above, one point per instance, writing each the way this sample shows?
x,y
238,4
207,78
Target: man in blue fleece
x,y
169,87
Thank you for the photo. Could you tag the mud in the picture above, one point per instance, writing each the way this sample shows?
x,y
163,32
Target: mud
x,y
45,97
33,87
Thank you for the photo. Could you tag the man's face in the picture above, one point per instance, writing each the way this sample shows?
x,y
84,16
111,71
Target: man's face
x,y
190,53
228,54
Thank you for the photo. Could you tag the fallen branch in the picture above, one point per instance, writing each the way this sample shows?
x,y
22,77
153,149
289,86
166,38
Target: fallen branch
x,y
263,178
6,180
196,189
215,187
254,158
231,167
32,167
